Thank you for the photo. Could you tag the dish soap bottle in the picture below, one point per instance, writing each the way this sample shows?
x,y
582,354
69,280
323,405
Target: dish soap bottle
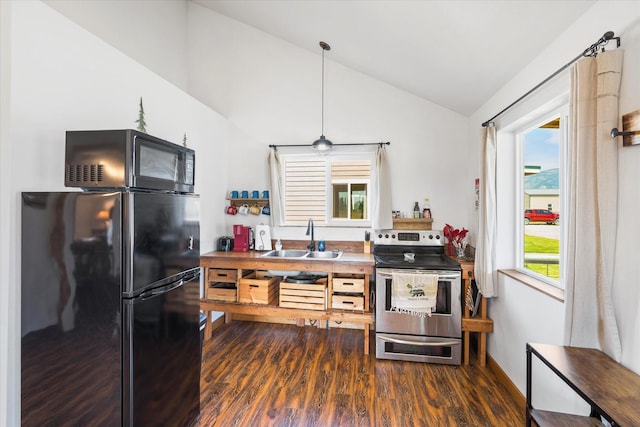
x,y
426,211
416,211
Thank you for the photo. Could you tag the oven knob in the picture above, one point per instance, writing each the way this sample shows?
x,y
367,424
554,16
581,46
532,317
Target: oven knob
x,y
393,236
437,237
380,236
386,236
430,236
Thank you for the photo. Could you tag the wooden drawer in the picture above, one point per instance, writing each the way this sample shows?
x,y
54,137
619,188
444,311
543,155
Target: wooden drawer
x,y
347,302
221,291
259,288
222,275
348,284
307,296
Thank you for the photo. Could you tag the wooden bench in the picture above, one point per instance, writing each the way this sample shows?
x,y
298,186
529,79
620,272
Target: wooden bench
x,y
608,387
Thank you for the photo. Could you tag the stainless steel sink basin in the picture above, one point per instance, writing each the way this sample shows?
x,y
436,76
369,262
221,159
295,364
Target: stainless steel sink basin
x,y
286,253
301,253
325,254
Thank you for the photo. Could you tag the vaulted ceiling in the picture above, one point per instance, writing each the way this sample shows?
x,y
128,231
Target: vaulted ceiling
x,y
454,53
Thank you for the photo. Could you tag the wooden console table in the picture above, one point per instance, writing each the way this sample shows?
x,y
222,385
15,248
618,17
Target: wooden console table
x,y
609,388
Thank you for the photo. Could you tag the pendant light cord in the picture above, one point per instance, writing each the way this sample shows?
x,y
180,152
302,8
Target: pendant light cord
x,y
324,46
322,97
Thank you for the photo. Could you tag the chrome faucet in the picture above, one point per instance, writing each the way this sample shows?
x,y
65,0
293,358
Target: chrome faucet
x,y
312,245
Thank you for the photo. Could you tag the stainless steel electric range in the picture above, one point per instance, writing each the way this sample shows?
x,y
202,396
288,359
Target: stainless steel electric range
x,y
401,336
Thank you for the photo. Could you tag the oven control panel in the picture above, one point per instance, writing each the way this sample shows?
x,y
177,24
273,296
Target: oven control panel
x,y
408,237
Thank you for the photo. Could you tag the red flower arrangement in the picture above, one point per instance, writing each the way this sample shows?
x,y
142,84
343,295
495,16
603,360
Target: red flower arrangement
x,y
455,236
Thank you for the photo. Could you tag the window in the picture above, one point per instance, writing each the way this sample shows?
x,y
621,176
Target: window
x,y
349,184
542,148
332,189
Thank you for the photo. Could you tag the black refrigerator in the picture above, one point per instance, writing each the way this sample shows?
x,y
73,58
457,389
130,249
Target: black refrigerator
x,y
110,314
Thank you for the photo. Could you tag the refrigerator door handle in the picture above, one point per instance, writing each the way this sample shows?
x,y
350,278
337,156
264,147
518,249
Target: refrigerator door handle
x,y
190,243
162,290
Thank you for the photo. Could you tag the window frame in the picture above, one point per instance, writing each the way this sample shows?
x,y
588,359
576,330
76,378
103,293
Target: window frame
x,y
329,158
541,117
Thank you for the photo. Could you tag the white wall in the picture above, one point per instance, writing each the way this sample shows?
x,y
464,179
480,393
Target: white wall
x,y
61,77
271,90
9,399
521,314
154,33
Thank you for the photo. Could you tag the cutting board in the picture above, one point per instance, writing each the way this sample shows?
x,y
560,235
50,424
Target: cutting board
x,y
263,238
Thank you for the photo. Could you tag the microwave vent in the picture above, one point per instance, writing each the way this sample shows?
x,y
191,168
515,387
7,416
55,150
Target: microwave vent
x,y
85,173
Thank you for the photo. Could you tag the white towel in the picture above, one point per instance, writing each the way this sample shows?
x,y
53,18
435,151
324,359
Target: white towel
x,y
414,293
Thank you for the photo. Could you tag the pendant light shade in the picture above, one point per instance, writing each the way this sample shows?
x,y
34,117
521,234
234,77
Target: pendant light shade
x,y
322,143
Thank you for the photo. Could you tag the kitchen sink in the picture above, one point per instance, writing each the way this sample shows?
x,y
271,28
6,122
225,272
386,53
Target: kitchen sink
x,y
300,253
286,253
325,254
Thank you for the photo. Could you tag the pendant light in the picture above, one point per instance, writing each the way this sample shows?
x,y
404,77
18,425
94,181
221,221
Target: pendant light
x,y
322,144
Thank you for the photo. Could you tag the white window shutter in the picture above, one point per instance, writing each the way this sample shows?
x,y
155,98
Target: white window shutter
x,y
305,191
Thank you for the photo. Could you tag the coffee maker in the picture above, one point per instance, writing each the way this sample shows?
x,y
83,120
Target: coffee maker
x,y
241,239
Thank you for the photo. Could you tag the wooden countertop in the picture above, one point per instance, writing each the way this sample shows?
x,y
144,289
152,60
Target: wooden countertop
x,y
349,262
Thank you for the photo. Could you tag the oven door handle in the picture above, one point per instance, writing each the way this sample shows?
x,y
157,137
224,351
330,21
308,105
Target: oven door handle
x,y
440,276
439,343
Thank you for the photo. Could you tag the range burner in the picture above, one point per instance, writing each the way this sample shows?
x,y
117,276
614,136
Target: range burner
x,y
418,261
422,250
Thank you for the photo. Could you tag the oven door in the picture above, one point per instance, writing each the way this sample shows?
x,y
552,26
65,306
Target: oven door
x,y
415,348
446,321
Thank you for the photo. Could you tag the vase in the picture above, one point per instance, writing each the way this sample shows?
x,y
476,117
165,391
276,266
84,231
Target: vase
x,y
459,251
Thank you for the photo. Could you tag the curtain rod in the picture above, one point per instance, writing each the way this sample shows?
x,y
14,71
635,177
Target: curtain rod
x,y
335,145
590,51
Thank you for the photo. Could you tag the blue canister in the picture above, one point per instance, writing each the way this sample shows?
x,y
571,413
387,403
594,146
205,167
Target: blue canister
x,y
255,194
244,194
321,246
265,194
233,195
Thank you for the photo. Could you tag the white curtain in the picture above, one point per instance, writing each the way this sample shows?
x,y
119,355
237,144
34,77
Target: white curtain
x,y
486,246
275,196
381,192
591,217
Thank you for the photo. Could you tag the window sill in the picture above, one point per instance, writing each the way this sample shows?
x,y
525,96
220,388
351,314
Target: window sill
x,y
532,282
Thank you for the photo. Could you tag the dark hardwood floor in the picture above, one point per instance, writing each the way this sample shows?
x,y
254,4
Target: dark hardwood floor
x,y
262,374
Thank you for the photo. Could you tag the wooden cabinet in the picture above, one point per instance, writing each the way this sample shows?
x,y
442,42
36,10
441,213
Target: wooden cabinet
x,y
347,292
221,284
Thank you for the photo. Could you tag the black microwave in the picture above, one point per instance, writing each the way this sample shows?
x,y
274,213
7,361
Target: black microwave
x,y
123,159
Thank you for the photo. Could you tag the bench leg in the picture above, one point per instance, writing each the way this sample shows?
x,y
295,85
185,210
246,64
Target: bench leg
x,y
366,338
482,349
466,341
208,328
